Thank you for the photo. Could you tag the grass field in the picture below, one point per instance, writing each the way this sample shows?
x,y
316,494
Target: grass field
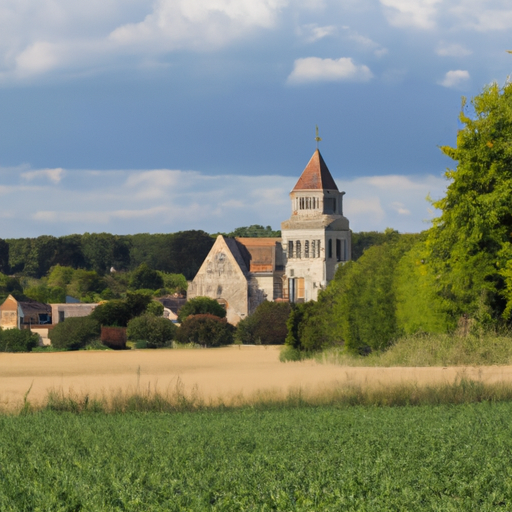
x,y
303,459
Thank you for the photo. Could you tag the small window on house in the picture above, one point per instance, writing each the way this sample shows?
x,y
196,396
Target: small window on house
x,y
298,249
306,249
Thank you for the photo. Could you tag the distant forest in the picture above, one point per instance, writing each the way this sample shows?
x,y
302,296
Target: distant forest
x,y
175,253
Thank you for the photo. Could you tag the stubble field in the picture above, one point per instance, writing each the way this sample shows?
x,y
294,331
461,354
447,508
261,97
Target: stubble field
x,y
230,374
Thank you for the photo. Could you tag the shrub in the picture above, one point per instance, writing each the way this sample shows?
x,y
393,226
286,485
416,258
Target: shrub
x,y
14,340
201,306
205,330
266,326
75,333
119,312
156,331
155,308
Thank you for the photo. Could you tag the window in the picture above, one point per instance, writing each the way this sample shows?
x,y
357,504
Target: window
x,y
329,248
290,250
306,249
298,249
313,248
318,248
338,249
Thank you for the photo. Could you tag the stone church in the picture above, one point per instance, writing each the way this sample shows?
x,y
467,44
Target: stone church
x,y
243,272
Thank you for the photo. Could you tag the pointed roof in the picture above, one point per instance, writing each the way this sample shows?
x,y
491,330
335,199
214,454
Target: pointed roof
x,y
316,175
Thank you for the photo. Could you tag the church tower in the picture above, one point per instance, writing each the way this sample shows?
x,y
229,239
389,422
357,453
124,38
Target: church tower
x,y
316,238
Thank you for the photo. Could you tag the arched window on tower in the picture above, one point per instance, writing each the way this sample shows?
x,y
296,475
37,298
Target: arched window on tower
x,y
298,249
306,249
329,248
290,250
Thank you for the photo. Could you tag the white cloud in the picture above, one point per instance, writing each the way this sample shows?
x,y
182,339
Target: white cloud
x,y
53,175
411,13
315,69
312,32
454,78
365,42
483,16
452,50
124,202
198,23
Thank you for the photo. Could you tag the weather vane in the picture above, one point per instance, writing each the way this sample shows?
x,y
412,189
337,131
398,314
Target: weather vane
x,y
317,138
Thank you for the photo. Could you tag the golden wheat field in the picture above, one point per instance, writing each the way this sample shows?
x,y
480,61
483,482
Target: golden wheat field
x,y
236,371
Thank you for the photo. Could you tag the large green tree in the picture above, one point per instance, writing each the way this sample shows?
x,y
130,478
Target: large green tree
x,y
469,245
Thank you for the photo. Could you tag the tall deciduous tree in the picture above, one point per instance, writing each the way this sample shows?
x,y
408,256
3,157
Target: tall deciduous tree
x,y
470,244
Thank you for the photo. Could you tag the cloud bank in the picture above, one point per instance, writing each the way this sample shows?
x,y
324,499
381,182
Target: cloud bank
x,y
58,202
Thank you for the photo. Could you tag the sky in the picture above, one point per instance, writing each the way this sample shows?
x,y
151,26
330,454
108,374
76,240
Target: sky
x,y
129,116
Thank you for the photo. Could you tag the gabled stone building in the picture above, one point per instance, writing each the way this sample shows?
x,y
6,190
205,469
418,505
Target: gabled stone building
x,y
240,273
243,272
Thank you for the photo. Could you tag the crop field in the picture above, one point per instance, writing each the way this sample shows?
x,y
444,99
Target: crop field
x,y
304,459
232,374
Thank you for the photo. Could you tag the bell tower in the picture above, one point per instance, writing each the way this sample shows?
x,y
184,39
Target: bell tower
x,y
316,238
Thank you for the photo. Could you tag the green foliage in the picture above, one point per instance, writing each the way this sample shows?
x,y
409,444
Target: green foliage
x,y
266,326
15,340
182,252
174,283
9,286
46,294
157,332
60,276
254,231
74,333
200,306
118,312
366,239
145,277
450,458
4,257
206,330
85,285
418,307
470,244
155,308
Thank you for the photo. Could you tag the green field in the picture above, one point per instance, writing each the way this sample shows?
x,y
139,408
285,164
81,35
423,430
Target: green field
x,y
445,458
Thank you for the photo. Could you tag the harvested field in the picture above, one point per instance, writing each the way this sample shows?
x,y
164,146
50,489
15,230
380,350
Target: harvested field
x,y
210,373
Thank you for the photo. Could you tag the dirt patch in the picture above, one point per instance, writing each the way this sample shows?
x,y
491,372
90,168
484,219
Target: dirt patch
x,y
226,372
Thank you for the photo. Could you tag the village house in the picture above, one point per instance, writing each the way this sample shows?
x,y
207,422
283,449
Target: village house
x,y
241,273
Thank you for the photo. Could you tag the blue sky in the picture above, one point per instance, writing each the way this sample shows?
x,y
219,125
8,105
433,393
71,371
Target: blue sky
x,y
140,116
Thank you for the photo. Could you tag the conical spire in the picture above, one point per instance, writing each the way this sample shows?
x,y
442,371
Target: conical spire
x,y
316,175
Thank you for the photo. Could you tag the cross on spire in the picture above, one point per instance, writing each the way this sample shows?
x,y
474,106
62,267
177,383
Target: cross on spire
x,y
317,138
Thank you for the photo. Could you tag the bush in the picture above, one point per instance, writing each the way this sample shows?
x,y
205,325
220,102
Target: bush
x,y
156,331
205,330
155,308
266,326
118,312
201,306
14,340
75,333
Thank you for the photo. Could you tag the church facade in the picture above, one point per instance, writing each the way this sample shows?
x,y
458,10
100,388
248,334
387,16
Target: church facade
x,y
243,272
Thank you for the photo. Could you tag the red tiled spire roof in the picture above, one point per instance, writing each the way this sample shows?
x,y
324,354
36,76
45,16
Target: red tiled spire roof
x,y
316,175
